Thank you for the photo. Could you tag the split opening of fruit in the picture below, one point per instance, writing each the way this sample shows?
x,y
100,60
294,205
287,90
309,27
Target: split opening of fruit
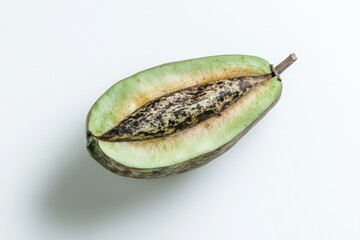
x,y
175,117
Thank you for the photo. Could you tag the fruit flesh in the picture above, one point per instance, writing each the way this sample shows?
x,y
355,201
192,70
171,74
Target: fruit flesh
x,y
206,140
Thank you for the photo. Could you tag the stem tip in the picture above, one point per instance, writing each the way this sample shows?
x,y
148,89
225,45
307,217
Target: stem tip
x,y
285,64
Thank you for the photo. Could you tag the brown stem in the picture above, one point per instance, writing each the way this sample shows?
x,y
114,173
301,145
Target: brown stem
x,y
285,64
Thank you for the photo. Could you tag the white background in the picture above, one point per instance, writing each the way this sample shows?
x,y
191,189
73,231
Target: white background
x,y
295,175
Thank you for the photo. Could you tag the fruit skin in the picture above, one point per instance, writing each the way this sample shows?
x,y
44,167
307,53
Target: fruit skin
x,y
147,173
188,164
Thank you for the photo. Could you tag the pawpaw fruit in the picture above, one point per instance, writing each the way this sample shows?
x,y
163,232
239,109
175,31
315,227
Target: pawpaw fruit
x,y
178,116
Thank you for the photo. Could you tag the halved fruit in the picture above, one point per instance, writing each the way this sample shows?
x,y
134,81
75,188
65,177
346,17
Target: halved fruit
x,y
196,143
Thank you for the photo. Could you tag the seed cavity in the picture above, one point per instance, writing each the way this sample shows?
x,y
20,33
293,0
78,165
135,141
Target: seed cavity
x,y
182,109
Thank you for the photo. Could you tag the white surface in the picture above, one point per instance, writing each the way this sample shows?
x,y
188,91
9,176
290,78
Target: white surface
x,y
295,175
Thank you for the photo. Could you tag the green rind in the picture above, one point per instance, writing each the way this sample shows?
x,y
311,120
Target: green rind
x,y
120,95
